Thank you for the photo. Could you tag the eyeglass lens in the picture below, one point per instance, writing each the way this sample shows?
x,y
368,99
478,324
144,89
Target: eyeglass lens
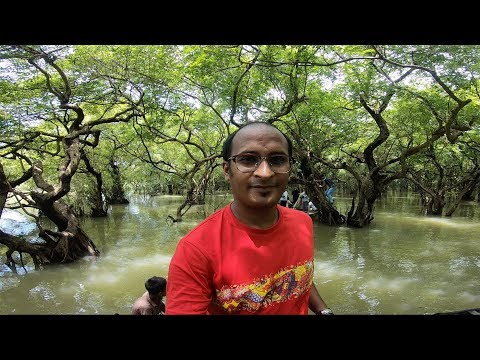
x,y
249,162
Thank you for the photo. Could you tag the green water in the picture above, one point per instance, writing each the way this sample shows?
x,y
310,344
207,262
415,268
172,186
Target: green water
x,y
403,263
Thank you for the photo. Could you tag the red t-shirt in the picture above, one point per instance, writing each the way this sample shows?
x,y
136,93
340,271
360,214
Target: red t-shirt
x,y
225,267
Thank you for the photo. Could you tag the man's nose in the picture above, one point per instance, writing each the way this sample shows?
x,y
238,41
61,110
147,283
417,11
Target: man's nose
x,y
263,168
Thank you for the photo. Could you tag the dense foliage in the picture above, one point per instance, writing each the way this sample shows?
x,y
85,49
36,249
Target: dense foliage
x,y
83,126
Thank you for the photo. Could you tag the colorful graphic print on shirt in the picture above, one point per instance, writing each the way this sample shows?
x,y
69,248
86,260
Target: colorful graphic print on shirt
x,y
275,288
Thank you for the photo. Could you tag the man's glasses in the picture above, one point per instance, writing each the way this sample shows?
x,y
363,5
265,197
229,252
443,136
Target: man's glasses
x,y
279,164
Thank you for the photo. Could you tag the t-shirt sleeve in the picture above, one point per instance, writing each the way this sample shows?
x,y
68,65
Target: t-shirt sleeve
x,y
189,282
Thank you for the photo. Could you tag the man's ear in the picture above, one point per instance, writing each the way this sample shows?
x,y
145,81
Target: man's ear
x,y
226,170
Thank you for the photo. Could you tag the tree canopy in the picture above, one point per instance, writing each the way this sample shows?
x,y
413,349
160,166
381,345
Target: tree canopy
x,y
82,126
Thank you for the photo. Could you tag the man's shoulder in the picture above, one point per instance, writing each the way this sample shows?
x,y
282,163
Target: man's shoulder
x,y
213,217
295,214
139,305
206,224
141,299
204,236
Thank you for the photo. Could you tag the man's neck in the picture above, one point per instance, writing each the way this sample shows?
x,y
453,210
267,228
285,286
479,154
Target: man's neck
x,y
256,218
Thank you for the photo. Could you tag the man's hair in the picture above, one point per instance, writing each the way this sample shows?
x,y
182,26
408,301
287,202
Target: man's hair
x,y
155,285
227,145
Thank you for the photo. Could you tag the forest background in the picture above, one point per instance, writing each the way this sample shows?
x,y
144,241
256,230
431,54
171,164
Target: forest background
x,y
84,126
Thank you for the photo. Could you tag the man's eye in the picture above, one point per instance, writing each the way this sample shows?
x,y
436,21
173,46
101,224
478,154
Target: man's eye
x,y
247,159
277,160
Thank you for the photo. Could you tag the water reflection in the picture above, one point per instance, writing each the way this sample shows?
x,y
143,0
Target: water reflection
x,y
403,263
15,223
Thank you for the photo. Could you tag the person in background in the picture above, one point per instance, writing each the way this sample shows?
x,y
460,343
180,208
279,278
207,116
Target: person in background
x,y
302,202
151,302
298,204
295,195
305,201
330,189
284,199
253,256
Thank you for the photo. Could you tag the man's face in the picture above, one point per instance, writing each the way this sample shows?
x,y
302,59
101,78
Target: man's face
x,y
261,188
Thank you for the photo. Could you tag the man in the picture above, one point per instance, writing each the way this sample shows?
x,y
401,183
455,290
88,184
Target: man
x,y
284,198
329,186
295,195
151,302
302,202
253,256
330,190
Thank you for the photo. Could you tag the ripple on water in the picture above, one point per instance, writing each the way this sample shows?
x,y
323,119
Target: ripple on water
x,y
9,282
390,284
327,270
40,292
439,222
469,297
407,266
435,292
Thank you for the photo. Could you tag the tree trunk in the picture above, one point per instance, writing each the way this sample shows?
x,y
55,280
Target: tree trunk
x,y
435,204
69,242
362,214
99,207
469,195
117,195
468,186
327,213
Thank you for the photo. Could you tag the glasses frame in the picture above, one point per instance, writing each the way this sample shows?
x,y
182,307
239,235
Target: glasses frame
x,y
234,157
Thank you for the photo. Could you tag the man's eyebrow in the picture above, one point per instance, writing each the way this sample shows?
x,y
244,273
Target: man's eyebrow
x,y
247,152
278,152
